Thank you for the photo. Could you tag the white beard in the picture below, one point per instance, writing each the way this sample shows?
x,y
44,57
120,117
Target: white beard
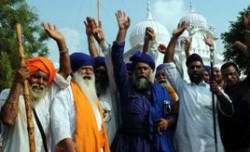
x,y
37,92
88,88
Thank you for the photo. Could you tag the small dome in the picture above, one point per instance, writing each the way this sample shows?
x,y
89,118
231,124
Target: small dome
x,y
138,33
195,19
162,35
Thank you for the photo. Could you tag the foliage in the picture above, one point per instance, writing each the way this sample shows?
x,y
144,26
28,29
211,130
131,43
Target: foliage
x,y
33,36
236,33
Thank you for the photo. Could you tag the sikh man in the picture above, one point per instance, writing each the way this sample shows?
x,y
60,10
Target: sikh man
x,y
161,78
194,130
104,77
77,120
146,106
44,83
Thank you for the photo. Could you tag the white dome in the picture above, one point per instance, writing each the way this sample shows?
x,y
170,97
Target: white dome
x,y
195,19
138,33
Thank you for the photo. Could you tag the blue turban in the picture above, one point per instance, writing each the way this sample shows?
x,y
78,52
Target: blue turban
x,y
208,69
129,66
159,67
78,60
139,56
99,61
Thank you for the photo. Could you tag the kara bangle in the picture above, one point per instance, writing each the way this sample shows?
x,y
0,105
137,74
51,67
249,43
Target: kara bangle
x,y
64,51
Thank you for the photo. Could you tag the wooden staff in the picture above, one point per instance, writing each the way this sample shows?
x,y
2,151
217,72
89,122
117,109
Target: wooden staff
x,y
30,124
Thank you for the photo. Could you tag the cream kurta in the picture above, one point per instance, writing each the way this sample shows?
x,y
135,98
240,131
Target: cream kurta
x,y
63,116
194,131
15,139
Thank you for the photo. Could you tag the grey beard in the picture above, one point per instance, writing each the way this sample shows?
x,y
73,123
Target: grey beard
x,y
141,84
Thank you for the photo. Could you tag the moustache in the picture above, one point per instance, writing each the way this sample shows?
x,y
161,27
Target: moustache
x,y
87,76
37,87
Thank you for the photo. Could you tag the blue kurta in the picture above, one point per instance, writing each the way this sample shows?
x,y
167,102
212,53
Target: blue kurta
x,y
139,115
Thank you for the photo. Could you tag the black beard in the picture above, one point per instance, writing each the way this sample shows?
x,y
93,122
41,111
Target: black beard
x,y
141,84
101,87
196,77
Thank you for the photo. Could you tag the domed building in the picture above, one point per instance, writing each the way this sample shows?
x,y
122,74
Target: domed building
x,y
136,37
198,29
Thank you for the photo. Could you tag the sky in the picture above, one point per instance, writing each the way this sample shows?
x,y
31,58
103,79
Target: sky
x,y
68,16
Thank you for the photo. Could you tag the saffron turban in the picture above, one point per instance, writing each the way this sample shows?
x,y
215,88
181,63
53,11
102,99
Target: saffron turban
x,y
159,67
139,56
192,58
99,61
41,63
79,59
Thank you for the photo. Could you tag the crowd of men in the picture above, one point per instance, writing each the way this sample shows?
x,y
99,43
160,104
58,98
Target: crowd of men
x,y
95,103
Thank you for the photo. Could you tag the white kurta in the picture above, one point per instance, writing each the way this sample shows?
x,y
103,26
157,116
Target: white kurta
x,y
15,139
63,116
194,131
111,96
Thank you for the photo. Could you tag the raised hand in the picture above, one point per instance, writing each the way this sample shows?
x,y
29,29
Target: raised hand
x,y
54,33
122,20
98,32
88,24
247,21
180,29
187,43
149,34
209,41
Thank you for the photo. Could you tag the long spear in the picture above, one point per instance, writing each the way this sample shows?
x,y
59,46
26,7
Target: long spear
x,y
213,101
30,124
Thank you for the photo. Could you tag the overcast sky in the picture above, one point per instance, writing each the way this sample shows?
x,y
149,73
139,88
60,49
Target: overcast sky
x,y
69,15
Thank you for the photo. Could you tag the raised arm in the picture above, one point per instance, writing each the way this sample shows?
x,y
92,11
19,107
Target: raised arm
x,y
247,27
187,43
123,24
169,55
241,47
89,23
149,36
54,33
209,42
10,109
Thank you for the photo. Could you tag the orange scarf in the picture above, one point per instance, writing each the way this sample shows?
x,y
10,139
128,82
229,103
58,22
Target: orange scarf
x,y
87,136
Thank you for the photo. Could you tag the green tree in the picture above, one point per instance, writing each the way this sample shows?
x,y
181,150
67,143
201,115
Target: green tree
x,y
11,12
236,33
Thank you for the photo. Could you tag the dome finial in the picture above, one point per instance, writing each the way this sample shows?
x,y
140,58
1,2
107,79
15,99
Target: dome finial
x,y
191,6
149,14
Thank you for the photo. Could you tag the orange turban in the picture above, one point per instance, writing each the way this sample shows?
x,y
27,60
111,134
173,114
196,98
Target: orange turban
x,y
41,63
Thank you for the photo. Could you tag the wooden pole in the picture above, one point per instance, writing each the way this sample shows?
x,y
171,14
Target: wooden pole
x,y
98,19
30,124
